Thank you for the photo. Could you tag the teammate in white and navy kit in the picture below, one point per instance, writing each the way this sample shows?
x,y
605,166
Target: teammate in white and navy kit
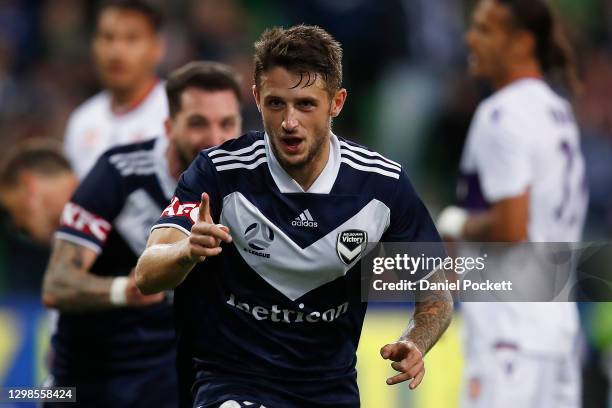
x,y
522,180
275,311
114,344
133,106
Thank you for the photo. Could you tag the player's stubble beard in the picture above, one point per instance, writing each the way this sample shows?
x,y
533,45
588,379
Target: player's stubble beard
x,y
320,136
185,155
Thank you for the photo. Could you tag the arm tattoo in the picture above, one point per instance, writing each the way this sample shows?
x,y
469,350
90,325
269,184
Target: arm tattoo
x,y
69,286
431,318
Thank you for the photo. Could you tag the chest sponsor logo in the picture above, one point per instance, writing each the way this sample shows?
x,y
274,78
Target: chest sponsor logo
x,y
259,237
299,314
350,245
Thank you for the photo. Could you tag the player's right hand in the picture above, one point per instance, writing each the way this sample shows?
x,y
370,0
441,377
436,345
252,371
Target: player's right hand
x,y
206,237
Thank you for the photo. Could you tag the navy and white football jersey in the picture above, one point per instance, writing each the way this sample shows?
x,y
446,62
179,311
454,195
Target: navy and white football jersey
x,y
276,317
111,213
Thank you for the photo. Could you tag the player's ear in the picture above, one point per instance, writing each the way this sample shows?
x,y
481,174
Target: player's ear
x,y
29,180
524,44
160,49
168,127
338,102
256,97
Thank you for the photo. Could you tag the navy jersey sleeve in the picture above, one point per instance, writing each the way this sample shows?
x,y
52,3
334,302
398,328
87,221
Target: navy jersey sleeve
x,y
87,219
410,221
183,210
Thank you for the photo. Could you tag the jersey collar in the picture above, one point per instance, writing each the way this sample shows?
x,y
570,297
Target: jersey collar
x,y
322,185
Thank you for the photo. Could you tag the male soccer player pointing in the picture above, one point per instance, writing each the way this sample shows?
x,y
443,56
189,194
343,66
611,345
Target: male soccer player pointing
x,y
275,312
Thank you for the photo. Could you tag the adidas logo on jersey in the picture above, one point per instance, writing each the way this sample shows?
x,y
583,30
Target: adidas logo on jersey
x,y
304,220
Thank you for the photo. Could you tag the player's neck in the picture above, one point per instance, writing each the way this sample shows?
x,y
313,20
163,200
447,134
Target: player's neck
x,y
123,101
516,73
306,176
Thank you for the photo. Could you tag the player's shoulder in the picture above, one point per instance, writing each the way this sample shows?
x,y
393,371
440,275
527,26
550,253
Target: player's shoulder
x,y
519,102
158,96
244,152
252,140
143,147
94,106
365,160
133,158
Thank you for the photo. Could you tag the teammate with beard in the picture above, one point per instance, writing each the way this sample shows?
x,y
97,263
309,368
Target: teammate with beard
x,y
116,345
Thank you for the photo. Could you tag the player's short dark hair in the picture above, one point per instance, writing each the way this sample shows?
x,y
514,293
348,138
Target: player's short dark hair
x,y
300,49
146,8
206,75
40,156
552,48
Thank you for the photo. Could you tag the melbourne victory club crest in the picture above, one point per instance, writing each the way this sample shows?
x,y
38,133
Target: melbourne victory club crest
x,y
351,244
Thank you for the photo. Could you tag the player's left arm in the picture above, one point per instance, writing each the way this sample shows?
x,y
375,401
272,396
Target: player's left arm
x,y
411,222
432,316
505,221
505,172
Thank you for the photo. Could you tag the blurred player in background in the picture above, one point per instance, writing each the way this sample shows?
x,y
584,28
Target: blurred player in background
x,y
522,180
276,312
36,182
126,49
116,345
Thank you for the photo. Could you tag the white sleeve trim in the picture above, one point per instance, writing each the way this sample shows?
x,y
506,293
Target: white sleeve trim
x,y
170,225
79,241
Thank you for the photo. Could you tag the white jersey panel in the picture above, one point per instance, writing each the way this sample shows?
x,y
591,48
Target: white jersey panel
x,y
299,270
524,138
93,127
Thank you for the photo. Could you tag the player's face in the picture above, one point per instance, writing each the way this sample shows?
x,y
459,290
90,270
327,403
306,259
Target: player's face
x,y
126,48
297,115
206,119
488,40
29,212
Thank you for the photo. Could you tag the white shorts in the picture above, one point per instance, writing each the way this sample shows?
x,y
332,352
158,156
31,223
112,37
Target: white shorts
x,y
504,377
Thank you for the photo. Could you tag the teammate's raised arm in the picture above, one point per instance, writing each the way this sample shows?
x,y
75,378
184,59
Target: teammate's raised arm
x,y
170,255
